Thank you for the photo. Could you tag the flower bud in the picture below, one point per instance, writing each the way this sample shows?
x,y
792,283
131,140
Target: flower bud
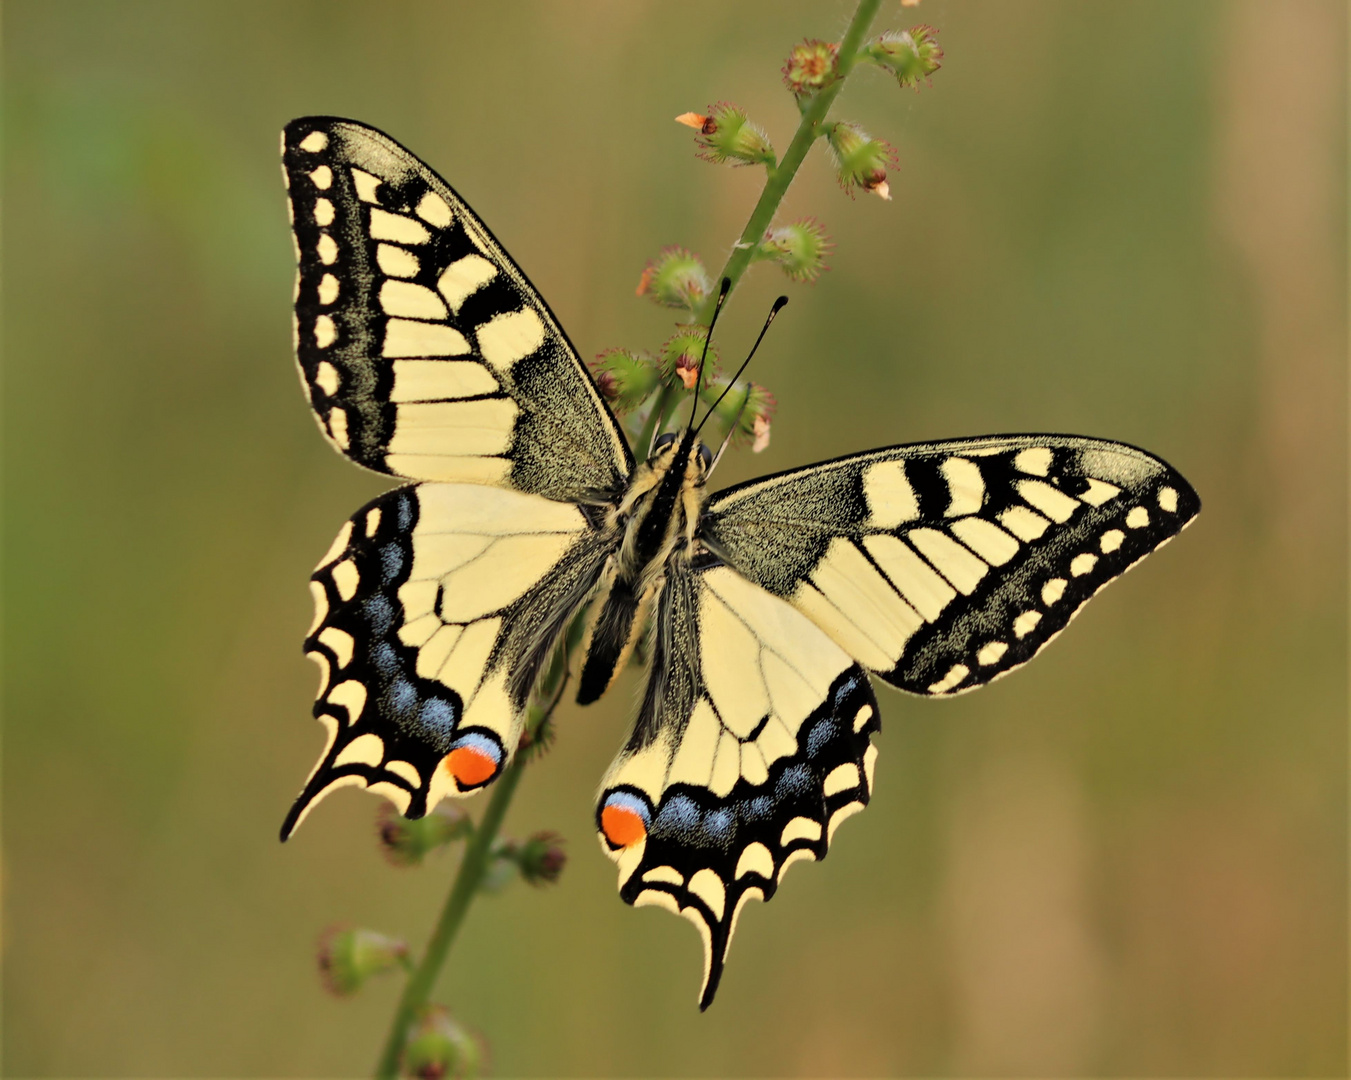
x,y
348,957
438,1048
625,378
675,278
727,136
910,55
811,66
749,406
542,858
502,867
680,355
860,160
406,843
799,248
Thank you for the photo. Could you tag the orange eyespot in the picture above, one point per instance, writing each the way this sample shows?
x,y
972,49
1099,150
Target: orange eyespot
x,y
470,766
622,826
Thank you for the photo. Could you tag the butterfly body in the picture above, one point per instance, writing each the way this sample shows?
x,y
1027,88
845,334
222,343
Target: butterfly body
x,y
427,355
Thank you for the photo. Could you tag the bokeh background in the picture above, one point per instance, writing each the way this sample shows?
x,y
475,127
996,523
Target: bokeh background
x,y
1117,219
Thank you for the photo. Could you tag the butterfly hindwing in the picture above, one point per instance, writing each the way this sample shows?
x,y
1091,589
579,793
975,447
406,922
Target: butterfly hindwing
x,y
942,566
752,744
424,350
435,609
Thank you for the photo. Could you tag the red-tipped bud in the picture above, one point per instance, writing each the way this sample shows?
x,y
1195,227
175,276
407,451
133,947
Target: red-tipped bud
x,y
625,378
542,858
693,120
348,957
675,278
748,406
680,355
911,55
811,66
799,248
407,843
726,136
439,1048
860,160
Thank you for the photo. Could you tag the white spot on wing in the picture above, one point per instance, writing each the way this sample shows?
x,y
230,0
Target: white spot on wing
x,y
841,778
965,486
1025,623
1053,590
433,210
326,378
1083,563
410,300
406,338
1025,524
1168,500
395,261
366,749
404,770
511,337
365,184
313,142
955,675
328,289
669,874
340,642
349,695
325,332
1035,460
1111,540
396,227
986,539
322,177
991,652
323,212
337,426
1099,492
708,887
1138,518
1056,505
464,277
327,249
345,578
891,499
755,859
800,828
949,558
863,716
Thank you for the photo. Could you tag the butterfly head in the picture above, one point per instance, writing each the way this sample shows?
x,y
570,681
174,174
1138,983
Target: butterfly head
x,y
666,453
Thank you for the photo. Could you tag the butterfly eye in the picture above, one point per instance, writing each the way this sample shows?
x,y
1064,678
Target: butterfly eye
x,y
706,456
663,441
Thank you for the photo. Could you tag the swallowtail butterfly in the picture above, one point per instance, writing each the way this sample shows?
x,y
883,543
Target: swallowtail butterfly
x,y
428,355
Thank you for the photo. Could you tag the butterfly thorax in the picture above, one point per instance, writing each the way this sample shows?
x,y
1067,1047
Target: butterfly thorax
x,y
657,519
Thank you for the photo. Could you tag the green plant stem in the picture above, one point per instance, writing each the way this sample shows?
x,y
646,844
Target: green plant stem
x,y
473,866
781,175
660,408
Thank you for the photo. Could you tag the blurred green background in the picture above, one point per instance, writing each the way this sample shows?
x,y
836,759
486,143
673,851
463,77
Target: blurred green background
x,y
1124,220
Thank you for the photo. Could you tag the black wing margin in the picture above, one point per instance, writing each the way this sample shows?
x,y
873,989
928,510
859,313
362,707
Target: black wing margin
x,y
942,566
424,350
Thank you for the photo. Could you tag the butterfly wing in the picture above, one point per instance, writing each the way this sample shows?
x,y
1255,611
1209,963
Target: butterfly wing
x,y
752,744
942,566
426,353
435,609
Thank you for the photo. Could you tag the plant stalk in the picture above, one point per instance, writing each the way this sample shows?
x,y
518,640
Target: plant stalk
x,y
781,175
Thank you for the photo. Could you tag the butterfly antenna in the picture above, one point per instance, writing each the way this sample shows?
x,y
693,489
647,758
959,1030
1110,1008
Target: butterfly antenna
x,y
778,306
723,290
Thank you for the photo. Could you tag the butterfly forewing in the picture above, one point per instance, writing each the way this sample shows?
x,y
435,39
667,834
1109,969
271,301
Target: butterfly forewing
x,y
425,351
435,609
751,746
942,566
